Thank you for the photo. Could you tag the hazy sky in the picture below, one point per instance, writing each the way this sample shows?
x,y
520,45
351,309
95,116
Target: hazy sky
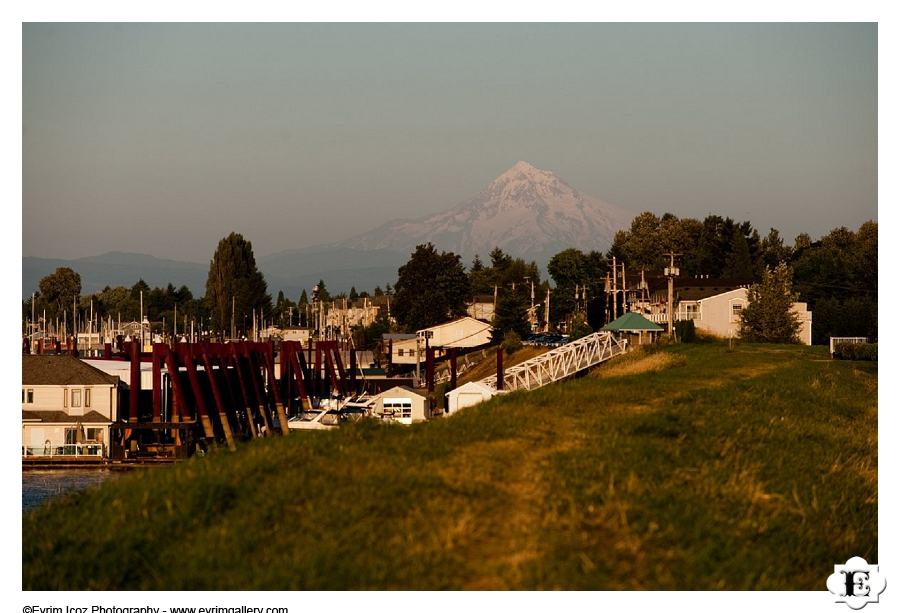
x,y
162,138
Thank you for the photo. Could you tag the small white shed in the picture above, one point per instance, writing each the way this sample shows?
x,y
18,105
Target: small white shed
x,y
401,404
468,395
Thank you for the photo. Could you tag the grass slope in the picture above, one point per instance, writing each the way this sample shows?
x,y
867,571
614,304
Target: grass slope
x,y
745,469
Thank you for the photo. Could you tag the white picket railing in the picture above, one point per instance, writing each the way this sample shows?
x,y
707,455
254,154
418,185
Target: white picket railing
x,y
833,341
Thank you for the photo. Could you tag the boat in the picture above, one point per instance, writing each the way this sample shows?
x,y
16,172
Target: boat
x,y
328,416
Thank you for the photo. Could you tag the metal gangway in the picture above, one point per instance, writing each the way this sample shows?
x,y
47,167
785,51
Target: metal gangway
x,y
559,363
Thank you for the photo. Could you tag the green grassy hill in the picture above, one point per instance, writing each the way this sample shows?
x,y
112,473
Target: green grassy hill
x,y
695,467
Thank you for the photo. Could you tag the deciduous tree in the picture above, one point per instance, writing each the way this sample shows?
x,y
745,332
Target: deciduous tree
x,y
431,287
59,289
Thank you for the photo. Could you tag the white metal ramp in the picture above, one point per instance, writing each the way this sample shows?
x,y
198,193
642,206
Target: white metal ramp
x,y
559,363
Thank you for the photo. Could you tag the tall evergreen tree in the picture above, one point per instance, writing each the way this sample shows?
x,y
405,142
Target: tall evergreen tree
x,y
511,314
322,294
499,259
738,262
233,276
768,317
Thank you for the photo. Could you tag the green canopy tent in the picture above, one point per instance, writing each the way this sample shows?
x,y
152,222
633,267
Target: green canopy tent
x,y
633,323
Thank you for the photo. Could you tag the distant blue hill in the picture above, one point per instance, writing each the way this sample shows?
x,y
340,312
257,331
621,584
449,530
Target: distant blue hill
x,y
289,271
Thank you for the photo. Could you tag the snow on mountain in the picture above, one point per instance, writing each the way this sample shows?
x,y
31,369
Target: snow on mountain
x,y
526,211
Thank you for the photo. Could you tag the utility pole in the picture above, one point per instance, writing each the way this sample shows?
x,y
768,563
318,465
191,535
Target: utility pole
x,y
671,272
615,290
624,291
232,316
418,340
643,288
547,312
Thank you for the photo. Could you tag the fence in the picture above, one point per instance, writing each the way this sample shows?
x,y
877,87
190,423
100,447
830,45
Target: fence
x,y
835,340
70,450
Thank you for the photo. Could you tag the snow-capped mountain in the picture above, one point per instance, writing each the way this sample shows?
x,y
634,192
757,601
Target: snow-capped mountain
x,y
526,211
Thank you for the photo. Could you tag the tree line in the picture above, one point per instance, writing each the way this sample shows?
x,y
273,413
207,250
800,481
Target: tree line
x,y
836,275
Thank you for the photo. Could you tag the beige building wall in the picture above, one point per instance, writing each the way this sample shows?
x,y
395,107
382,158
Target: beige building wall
x,y
103,399
465,332
481,310
400,405
720,315
40,438
467,395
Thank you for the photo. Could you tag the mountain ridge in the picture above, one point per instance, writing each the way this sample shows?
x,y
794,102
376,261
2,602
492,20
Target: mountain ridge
x,y
526,211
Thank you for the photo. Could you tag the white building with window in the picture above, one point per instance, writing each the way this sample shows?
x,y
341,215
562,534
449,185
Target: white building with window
x,y
466,332
67,407
721,315
401,404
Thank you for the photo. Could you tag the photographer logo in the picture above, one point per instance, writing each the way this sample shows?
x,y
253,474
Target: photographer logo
x,y
856,583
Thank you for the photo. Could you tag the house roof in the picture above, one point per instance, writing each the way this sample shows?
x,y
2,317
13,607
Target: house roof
x,y
482,324
697,289
631,321
471,386
405,388
62,370
61,417
742,290
397,337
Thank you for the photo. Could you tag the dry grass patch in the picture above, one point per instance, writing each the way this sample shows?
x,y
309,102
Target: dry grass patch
x,y
639,363
487,366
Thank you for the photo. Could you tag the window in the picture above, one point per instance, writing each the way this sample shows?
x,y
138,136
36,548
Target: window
x,y
87,397
736,309
95,434
65,398
29,397
76,398
400,352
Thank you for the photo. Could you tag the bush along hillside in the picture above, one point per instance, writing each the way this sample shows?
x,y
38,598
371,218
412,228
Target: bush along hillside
x,y
692,467
856,351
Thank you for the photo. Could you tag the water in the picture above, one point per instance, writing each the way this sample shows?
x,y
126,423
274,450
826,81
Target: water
x,y
38,486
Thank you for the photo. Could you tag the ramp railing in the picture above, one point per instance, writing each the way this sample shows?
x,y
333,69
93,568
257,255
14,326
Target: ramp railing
x,y
561,362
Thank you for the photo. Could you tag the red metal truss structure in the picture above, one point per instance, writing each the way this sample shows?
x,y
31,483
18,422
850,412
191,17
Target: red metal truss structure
x,y
205,393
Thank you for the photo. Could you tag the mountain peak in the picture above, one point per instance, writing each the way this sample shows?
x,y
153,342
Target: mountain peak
x,y
523,170
526,211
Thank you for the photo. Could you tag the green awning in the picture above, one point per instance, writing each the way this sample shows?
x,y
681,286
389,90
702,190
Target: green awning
x,y
631,322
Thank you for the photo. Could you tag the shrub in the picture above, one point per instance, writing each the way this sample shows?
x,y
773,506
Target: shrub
x,y
511,343
856,351
685,331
